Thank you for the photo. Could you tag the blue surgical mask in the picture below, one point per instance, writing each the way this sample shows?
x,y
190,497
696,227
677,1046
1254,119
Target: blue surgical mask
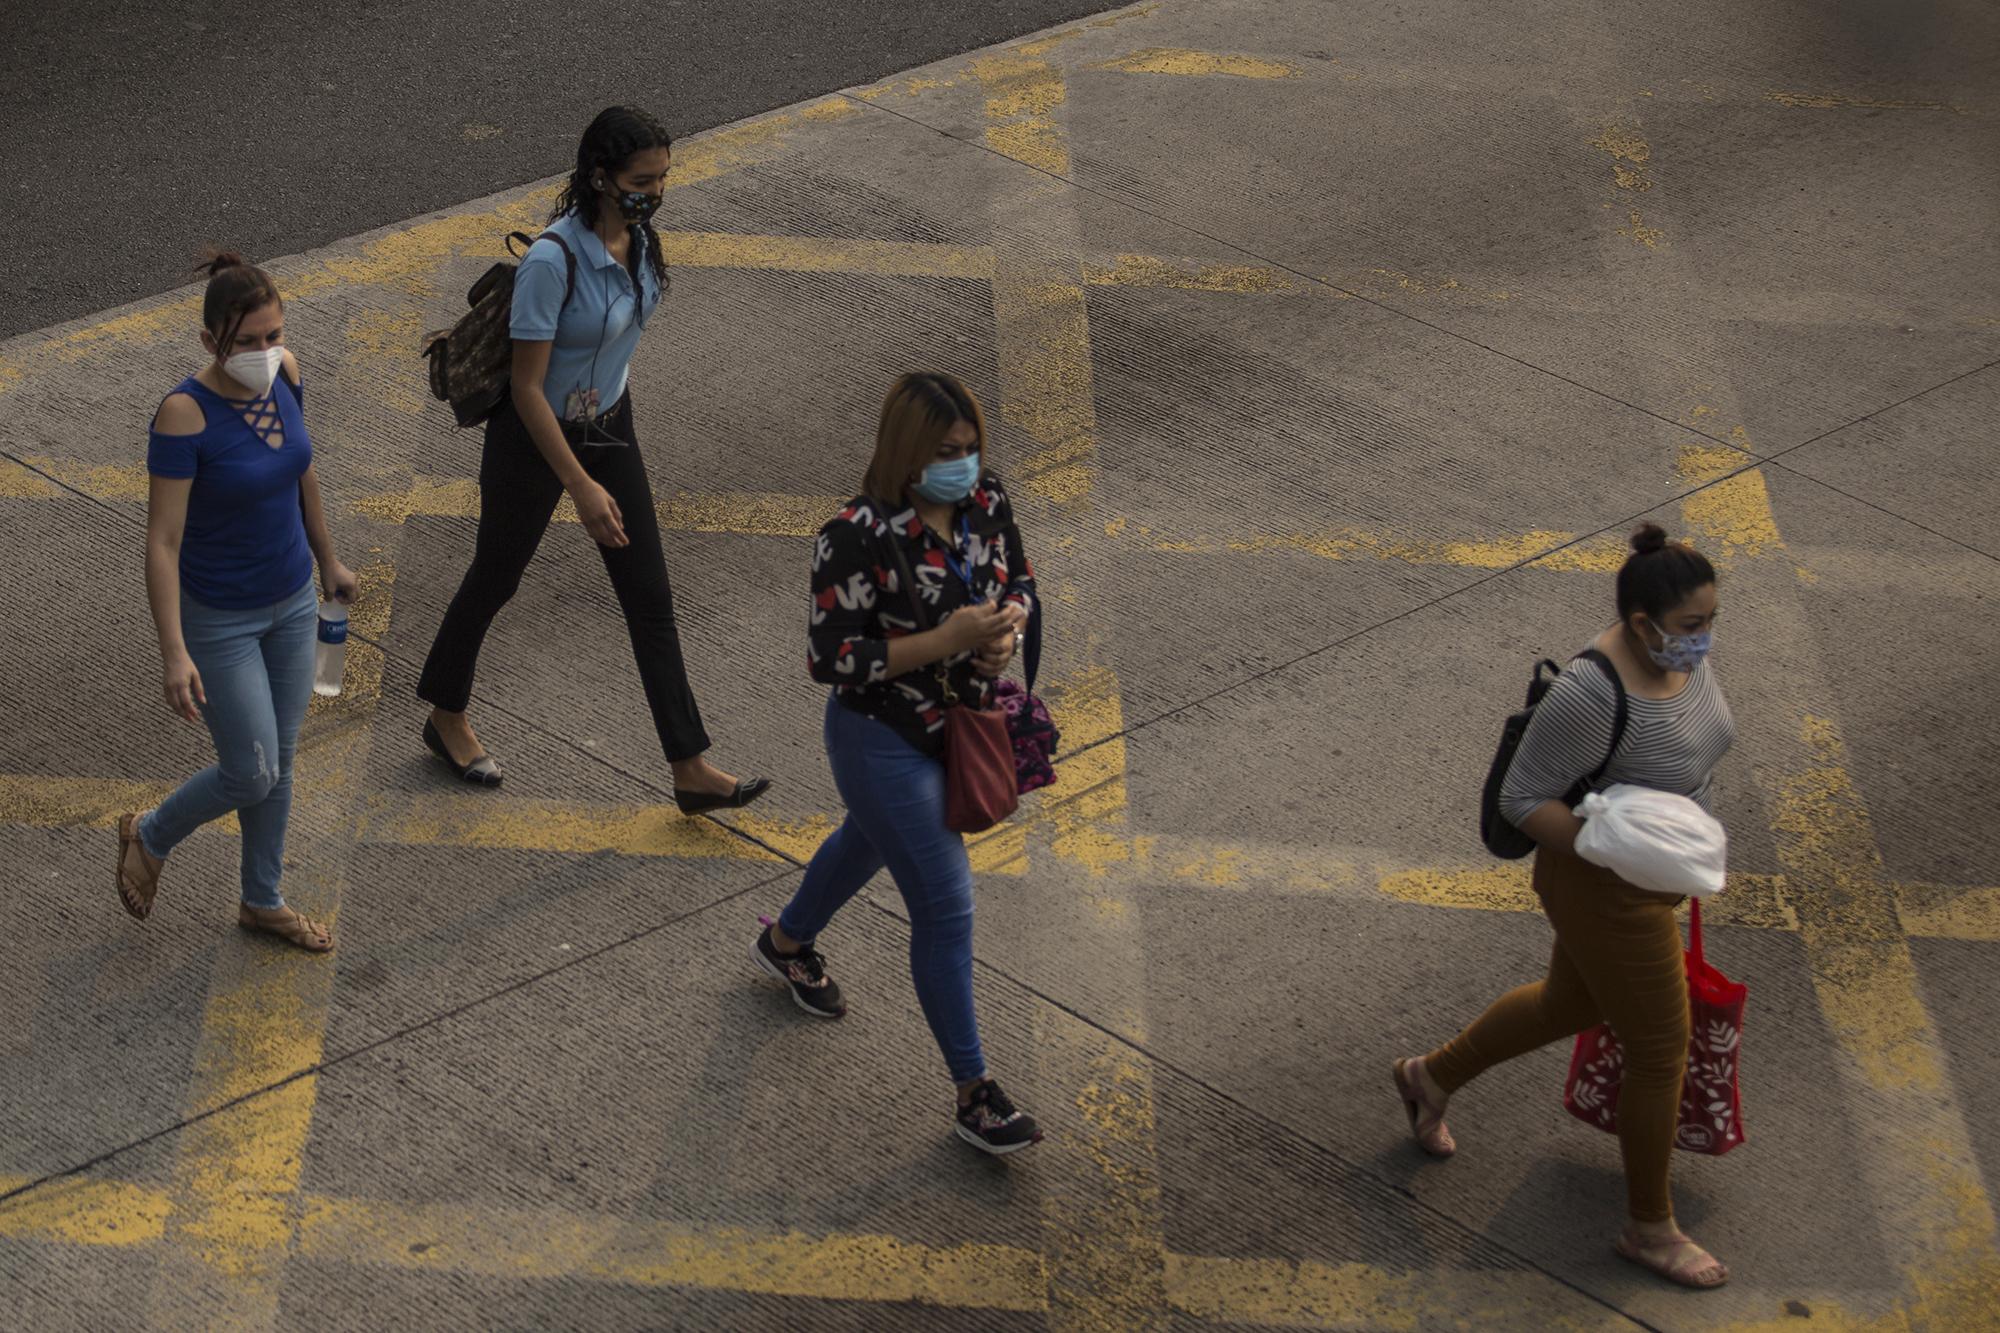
x,y
1681,652
948,483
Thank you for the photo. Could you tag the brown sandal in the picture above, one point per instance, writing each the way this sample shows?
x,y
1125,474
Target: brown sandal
x,y
136,887
1676,1258
294,928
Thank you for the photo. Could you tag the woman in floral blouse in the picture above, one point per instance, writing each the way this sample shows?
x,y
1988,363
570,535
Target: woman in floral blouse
x,y
931,490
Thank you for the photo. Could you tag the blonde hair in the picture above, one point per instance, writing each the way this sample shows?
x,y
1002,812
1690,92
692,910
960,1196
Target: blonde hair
x,y
920,410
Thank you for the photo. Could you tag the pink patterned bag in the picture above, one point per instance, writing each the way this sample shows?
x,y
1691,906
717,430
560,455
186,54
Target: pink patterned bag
x,y
1711,1118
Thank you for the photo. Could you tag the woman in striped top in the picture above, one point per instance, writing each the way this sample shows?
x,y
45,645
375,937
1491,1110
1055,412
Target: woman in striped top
x,y
1617,955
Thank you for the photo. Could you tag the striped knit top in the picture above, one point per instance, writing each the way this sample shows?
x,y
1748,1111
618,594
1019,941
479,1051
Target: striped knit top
x,y
1669,744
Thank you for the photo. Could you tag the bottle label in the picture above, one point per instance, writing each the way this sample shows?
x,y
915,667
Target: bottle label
x,y
333,631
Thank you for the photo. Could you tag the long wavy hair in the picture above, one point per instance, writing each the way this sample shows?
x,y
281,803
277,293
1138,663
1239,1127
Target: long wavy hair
x,y
619,134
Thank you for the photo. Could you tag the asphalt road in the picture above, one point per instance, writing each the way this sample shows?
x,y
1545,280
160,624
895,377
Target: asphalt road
x,y
135,134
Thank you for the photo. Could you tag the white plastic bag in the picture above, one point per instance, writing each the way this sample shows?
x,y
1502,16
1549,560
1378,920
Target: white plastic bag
x,y
1654,840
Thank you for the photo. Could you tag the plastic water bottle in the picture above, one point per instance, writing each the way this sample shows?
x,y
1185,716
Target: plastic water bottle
x,y
332,652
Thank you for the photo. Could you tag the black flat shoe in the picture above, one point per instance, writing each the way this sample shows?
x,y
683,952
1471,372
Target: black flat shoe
x,y
481,772
703,802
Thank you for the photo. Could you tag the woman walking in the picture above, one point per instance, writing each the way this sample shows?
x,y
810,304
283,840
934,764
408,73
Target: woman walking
x,y
233,525
932,493
584,293
1617,955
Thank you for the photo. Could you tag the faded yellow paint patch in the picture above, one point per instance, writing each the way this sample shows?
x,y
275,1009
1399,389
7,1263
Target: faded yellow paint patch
x,y
1022,95
1862,968
382,353
1537,547
1085,811
1431,286
1731,512
1047,380
518,1245
1200,64
1834,101
912,87
746,513
1281,1293
833,108
1501,888
115,483
1939,911
1187,275
522,825
84,1210
821,254
20,483
45,801
1636,230
1624,145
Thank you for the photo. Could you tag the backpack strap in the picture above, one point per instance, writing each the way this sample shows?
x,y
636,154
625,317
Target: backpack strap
x,y
569,258
1622,716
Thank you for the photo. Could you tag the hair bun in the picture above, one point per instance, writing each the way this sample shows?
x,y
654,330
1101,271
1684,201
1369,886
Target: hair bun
x,y
1649,538
214,260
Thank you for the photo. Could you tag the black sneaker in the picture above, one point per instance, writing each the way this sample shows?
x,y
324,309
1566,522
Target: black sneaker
x,y
804,972
993,1125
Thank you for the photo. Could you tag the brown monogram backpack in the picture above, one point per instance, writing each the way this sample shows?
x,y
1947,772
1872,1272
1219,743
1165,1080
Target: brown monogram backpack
x,y
472,360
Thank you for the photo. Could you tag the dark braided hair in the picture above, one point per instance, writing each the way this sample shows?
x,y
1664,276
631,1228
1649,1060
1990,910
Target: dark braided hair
x,y
619,134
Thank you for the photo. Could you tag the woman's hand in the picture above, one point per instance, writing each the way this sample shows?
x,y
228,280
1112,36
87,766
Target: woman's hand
x,y
338,583
994,655
599,513
182,686
970,628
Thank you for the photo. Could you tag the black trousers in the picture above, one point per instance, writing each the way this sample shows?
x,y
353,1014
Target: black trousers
x,y
517,496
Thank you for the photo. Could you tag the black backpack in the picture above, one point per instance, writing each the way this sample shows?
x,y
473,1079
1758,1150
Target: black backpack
x,y
1502,838
472,361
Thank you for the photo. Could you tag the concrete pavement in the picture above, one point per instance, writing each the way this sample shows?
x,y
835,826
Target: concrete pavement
x,y
1331,354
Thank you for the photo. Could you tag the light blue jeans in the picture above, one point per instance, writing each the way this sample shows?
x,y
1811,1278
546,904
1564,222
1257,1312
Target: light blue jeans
x,y
895,816
257,670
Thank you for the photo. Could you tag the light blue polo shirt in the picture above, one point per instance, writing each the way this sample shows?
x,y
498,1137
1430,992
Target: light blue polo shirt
x,y
599,328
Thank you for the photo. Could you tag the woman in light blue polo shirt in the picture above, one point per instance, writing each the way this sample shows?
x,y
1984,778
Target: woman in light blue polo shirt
x,y
584,293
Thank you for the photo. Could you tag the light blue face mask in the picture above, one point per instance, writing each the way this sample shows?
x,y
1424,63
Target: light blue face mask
x,y
1681,652
948,483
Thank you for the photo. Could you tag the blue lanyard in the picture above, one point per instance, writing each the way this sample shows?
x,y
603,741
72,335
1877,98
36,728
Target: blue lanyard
x,y
962,567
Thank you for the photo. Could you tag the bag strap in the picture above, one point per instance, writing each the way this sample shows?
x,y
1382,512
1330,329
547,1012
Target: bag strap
x,y
569,259
1031,645
1695,950
1623,714
902,564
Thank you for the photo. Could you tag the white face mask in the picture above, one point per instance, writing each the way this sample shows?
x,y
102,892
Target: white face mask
x,y
256,370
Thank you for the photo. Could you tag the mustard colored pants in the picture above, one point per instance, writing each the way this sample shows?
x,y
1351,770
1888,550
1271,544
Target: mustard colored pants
x,y
1617,960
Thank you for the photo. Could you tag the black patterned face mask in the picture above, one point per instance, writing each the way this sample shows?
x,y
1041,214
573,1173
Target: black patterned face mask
x,y
637,206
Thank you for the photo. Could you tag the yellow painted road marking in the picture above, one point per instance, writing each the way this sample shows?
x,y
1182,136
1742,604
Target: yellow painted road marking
x,y
1172,60
1596,555
1833,101
1078,816
84,1210
826,254
1022,94
517,1245
1278,1293
523,1245
747,513
1199,65
1191,275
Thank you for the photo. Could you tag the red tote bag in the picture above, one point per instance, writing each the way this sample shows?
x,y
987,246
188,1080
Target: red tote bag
x,y
1711,1119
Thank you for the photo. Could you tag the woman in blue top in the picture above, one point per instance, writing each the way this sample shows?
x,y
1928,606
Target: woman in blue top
x,y
233,526
584,293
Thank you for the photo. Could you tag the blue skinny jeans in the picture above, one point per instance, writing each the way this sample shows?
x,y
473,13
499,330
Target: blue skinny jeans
x,y
257,670
895,817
